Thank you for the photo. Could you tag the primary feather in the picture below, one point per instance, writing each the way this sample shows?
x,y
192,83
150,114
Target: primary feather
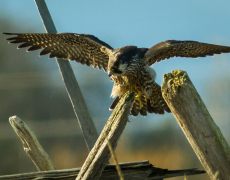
x,y
128,66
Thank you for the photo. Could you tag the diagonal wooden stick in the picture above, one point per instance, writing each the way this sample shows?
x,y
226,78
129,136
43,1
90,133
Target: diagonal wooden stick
x,y
198,126
73,90
99,155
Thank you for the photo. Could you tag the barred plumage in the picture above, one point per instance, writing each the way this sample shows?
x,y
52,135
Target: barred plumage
x,y
128,66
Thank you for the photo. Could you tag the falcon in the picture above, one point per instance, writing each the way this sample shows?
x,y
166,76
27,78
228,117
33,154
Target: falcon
x,y
128,66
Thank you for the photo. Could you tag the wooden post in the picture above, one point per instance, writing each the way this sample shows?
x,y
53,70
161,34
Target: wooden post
x,y
198,126
80,109
99,155
31,145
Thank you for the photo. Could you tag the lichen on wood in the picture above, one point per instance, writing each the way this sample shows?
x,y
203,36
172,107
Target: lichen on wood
x,y
197,124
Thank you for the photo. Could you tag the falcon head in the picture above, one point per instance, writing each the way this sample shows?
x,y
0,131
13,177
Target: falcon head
x,y
123,60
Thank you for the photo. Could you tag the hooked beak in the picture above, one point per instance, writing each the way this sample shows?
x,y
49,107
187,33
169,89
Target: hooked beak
x,y
114,71
109,73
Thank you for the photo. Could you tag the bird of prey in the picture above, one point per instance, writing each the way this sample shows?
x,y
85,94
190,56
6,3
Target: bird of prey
x,y
128,66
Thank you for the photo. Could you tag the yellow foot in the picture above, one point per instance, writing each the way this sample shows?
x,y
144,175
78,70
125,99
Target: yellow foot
x,y
138,98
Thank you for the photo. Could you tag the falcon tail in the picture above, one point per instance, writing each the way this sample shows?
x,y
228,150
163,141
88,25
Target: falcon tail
x,y
143,104
153,104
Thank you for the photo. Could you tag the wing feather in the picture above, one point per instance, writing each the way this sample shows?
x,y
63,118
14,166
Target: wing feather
x,y
83,48
174,48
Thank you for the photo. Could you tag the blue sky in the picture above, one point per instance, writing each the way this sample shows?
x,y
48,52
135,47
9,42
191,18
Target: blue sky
x,y
142,23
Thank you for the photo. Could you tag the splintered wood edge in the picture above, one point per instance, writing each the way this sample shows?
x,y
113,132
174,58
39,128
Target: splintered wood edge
x,y
192,114
173,82
131,170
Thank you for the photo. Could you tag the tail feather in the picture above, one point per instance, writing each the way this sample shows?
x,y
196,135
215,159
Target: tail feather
x,y
143,109
143,104
135,108
153,104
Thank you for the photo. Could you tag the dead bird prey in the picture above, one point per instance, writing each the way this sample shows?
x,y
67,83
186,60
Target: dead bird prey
x,y
128,66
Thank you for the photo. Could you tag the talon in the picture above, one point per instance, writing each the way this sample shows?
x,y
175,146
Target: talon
x,y
138,98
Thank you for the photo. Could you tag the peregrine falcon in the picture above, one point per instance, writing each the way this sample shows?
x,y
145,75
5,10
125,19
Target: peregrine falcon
x,y
128,66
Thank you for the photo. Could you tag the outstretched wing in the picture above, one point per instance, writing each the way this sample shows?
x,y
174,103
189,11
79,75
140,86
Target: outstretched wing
x,y
172,48
86,49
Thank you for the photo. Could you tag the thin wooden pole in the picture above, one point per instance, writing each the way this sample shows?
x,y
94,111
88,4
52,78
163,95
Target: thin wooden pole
x,y
31,145
198,126
71,84
99,155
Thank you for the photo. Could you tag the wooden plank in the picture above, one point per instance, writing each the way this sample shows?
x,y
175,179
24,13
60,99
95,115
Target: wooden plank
x,y
131,171
197,124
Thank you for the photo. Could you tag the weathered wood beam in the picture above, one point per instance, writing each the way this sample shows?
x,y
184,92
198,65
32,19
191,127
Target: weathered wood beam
x,y
131,171
197,124
31,145
99,155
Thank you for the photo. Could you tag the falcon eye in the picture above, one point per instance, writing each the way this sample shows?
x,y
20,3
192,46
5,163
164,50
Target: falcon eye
x,y
125,62
122,61
115,68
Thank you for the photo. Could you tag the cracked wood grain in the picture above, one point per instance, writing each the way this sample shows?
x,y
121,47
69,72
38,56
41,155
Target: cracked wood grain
x,y
197,124
99,155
